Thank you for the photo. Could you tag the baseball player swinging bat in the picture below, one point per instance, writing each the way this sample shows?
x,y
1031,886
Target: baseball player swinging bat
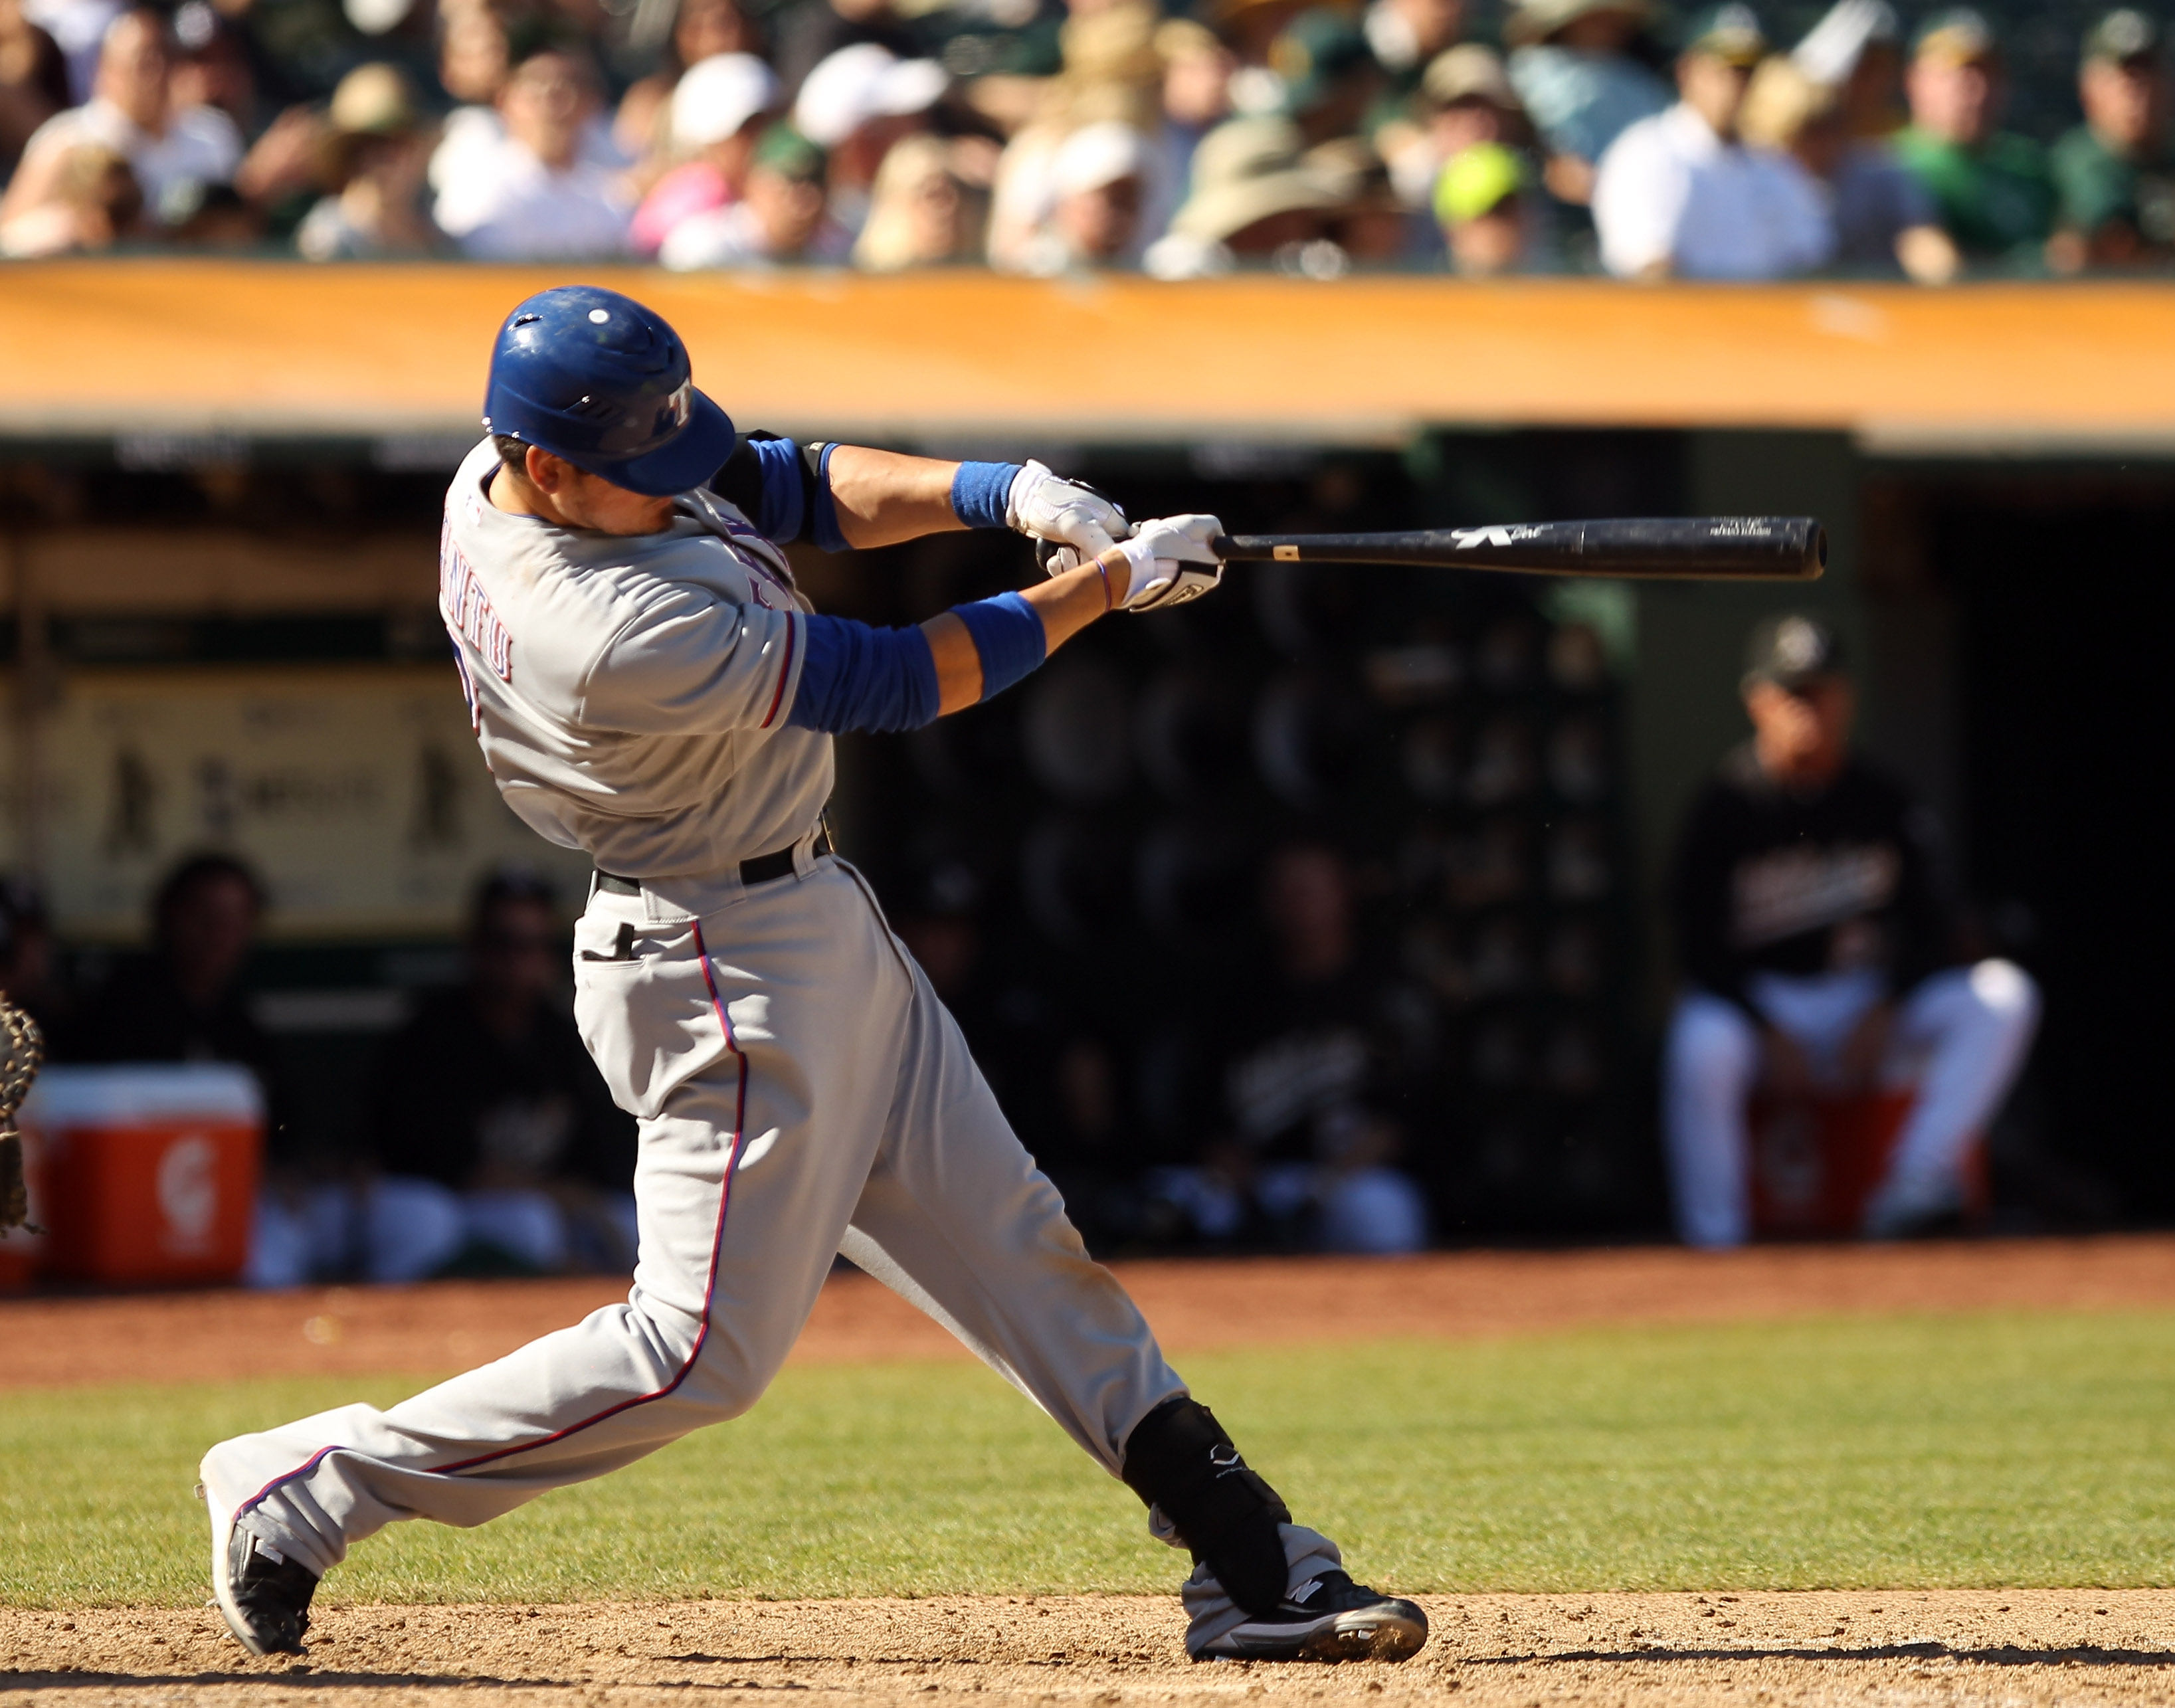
x,y
647,682
1672,548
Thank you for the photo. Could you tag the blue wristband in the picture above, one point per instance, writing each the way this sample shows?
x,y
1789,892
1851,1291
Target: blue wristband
x,y
1007,634
979,492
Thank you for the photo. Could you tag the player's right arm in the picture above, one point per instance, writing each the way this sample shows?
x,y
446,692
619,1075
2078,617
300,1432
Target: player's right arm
x,y
1166,562
855,676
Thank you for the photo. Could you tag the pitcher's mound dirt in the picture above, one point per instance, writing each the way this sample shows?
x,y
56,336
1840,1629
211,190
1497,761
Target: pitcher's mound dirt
x,y
2010,1646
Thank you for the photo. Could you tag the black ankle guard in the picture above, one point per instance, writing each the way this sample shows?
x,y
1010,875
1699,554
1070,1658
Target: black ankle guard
x,y
1180,1459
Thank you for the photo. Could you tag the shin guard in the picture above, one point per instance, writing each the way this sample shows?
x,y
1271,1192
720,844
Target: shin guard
x,y
1179,1459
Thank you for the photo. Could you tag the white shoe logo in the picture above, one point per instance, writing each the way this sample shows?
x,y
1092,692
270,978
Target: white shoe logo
x,y
1303,1590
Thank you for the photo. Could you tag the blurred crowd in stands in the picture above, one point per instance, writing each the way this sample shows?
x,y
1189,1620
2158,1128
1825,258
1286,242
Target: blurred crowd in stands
x,y
1043,137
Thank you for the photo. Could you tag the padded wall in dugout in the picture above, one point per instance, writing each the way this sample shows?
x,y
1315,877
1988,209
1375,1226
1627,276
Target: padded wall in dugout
x,y
1080,862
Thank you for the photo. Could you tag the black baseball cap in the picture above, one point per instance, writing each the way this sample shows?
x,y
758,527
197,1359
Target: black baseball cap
x,y
1790,651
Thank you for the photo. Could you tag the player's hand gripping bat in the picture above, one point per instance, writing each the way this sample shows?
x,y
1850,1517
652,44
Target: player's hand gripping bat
x,y
1674,548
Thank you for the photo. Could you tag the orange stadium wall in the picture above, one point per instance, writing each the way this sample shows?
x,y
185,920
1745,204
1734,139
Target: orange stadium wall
x,y
97,347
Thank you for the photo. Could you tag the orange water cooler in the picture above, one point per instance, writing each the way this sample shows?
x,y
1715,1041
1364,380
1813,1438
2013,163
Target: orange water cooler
x,y
145,1174
1817,1160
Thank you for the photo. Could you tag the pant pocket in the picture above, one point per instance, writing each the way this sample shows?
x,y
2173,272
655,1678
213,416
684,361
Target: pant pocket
x,y
650,1023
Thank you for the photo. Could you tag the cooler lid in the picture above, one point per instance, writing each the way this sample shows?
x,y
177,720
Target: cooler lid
x,y
127,1091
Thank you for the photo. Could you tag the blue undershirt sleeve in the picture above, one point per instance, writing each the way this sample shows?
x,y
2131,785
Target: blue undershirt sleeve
x,y
856,676
782,511
1008,635
980,491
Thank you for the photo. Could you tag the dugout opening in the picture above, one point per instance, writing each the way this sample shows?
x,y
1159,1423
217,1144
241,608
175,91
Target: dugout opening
x,y
233,642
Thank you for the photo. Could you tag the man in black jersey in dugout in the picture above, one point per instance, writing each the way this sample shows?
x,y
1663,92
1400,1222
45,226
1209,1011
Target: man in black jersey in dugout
x,y
1818,946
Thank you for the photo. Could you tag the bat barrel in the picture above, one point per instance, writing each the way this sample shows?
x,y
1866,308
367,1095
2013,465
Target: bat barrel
x,y
1704,548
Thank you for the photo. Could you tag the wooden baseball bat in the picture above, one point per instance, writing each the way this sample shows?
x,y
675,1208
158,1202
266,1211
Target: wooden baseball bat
x,y
1672,548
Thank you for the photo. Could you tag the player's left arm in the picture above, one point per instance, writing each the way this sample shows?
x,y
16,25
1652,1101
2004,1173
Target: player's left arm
x,y
842,497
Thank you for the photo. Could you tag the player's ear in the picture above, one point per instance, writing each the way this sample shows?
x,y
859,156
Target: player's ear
x,y
546,473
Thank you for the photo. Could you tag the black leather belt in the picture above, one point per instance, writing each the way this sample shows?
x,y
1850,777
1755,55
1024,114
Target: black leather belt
x,y
759,870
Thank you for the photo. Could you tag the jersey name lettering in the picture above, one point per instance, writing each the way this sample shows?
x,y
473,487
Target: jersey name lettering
x,y
467,611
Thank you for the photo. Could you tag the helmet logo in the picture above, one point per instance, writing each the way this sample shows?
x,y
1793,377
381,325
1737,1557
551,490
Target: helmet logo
x,y
681,403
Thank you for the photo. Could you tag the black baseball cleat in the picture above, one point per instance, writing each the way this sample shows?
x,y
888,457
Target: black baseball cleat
x,y
264,1595
1328,1618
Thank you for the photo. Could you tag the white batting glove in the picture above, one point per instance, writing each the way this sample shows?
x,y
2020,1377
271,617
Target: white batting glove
x,y
1166,562
1043,507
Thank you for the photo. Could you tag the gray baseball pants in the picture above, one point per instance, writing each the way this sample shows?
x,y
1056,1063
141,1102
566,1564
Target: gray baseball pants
x,y
800,1091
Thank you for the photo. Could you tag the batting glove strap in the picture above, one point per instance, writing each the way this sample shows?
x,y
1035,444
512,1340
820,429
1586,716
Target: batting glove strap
x,y
1179,1459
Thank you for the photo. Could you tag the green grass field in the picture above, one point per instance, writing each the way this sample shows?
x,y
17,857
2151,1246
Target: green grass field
x,y
2011,1451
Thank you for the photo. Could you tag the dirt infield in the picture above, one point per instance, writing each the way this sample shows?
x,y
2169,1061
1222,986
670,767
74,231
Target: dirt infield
x,y
209,1337
2021,1646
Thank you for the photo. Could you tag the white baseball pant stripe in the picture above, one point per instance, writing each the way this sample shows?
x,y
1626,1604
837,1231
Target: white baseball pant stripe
x,y
1960,1037
800,1088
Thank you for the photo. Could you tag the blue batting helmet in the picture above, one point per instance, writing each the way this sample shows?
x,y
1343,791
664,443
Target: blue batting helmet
x,y
595,378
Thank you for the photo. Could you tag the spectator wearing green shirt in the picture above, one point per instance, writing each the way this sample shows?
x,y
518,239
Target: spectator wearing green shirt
x,y
2115,171
1991,187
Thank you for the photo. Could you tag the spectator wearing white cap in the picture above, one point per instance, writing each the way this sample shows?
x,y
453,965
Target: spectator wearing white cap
x,y
701,29
855,105
1679,194
535,195
1101,179
718,110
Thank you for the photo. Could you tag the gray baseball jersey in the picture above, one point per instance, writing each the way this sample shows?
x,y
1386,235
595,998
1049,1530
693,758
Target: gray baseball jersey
x,y
800,1088
630,693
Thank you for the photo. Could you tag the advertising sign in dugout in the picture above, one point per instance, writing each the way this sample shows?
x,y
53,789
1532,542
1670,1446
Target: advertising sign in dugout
x,y
356,791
